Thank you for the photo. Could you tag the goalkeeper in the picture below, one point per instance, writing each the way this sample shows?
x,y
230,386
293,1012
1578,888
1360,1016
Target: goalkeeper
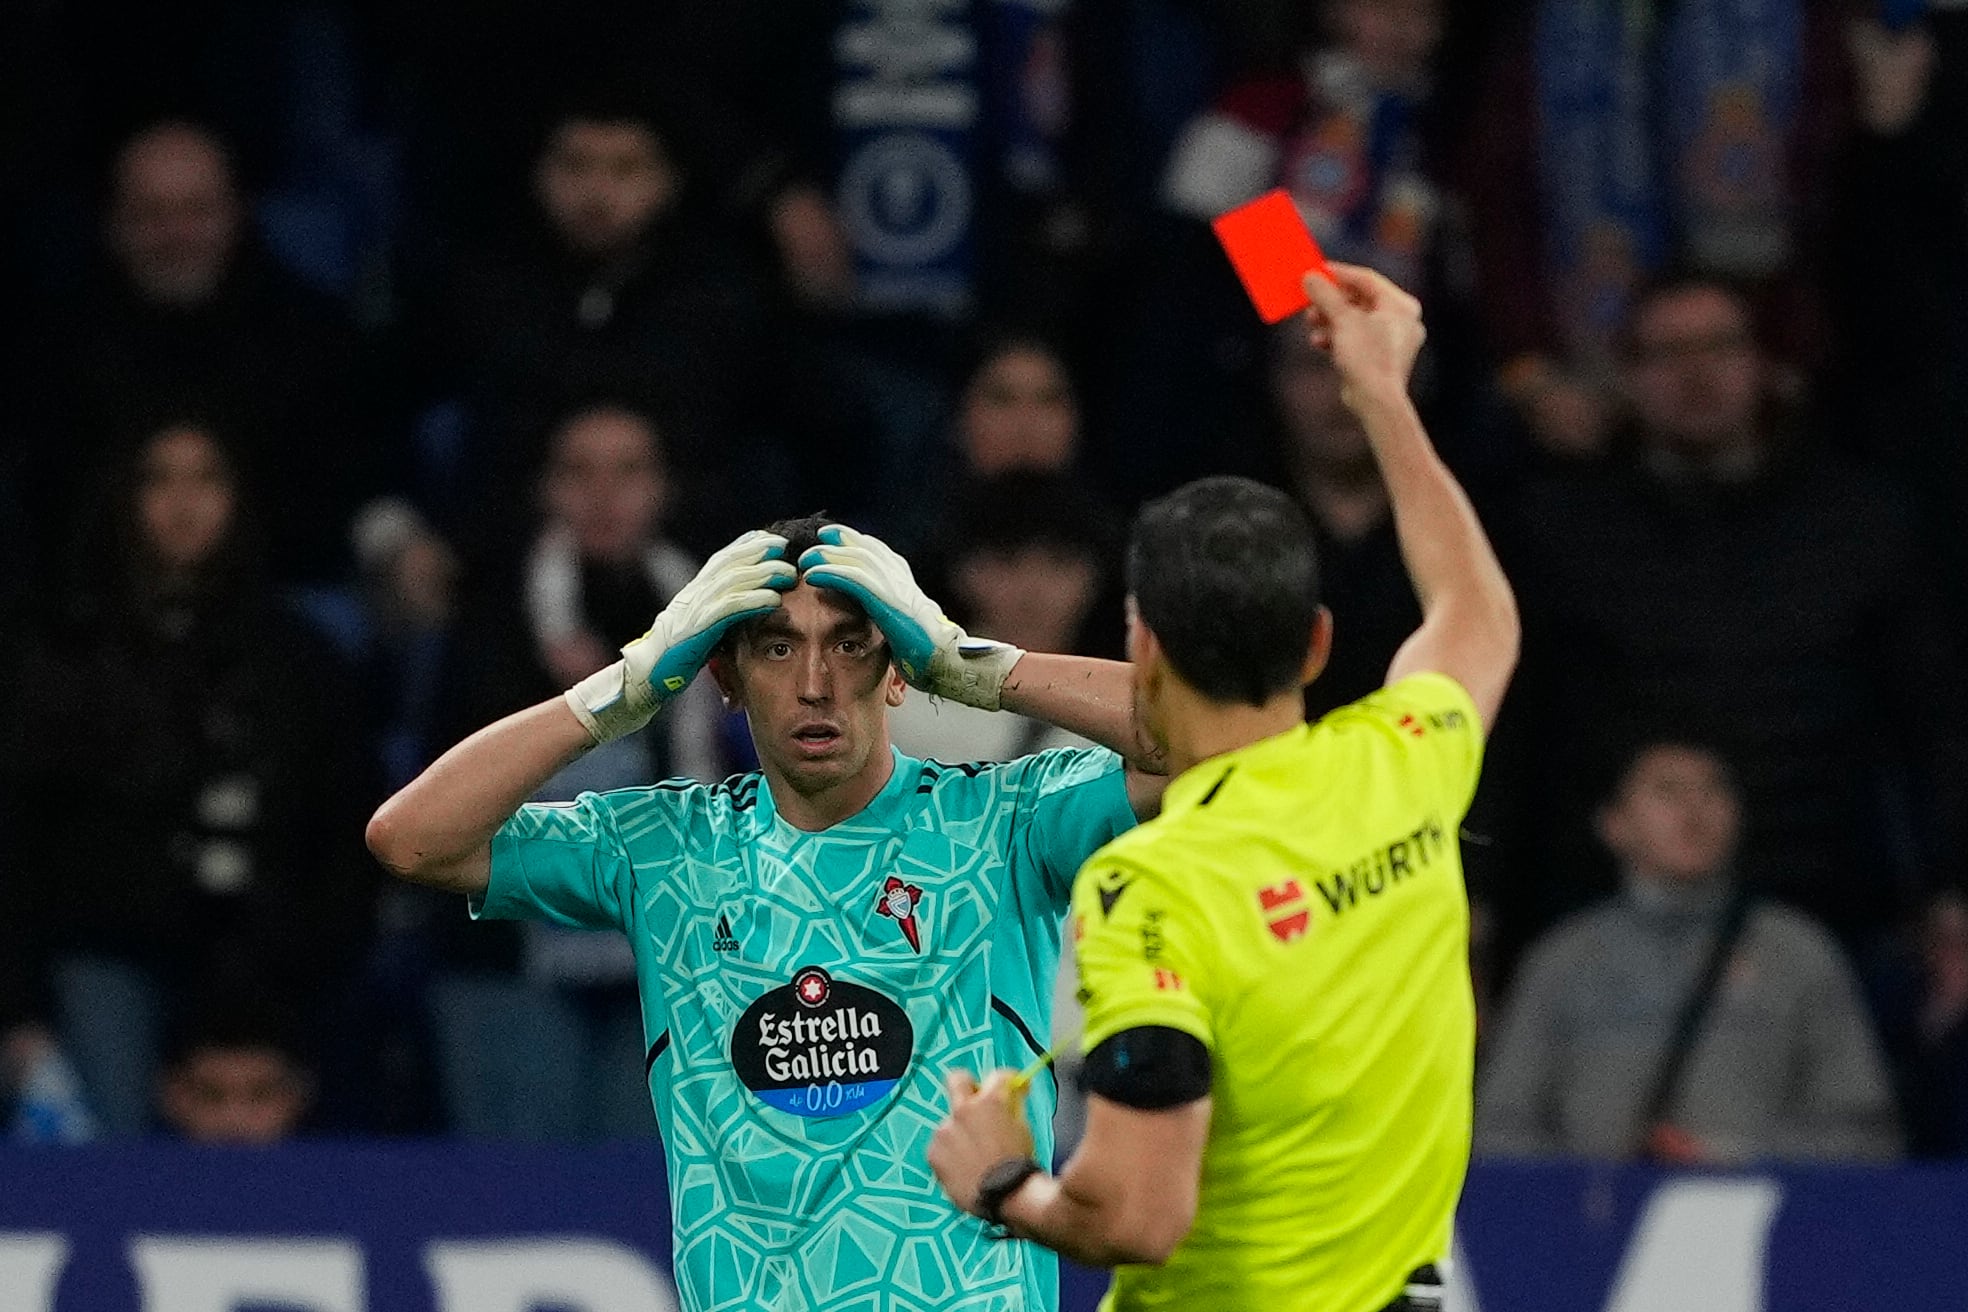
x,y
1280,1031
816,941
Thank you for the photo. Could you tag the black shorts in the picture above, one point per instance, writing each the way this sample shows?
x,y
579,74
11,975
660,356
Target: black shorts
x,y
1423,1294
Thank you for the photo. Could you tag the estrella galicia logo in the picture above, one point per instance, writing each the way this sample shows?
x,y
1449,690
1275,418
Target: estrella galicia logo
x,y
723,941
821,1046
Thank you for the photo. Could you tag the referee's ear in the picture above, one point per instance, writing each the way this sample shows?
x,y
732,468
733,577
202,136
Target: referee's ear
x,y
1319,649
1142,647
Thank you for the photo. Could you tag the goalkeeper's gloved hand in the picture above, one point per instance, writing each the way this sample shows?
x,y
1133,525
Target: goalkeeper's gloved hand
x,y
933,653
740,582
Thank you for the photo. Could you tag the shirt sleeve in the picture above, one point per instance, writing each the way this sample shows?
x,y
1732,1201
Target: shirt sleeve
x,y
1439,732
559,862
1144,951
1074,802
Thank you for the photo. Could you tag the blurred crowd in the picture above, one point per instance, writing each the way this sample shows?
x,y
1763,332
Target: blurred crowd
x,y
377,370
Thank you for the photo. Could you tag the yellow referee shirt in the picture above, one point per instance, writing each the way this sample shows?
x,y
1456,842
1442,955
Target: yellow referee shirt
x,y
1299,907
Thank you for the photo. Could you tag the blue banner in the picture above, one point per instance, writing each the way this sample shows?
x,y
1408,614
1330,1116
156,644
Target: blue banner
x,y
472,1228
907,110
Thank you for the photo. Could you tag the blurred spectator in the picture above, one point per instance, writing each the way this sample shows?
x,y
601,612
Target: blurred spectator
x,y
185,774
376,1062
1725,573
1018,410
1027,557
188,315
1328,466
1784,1064
1904,305
1344,118
593,574
1612,138
1924,1005
235,1075
615,288
40,1094
539,1028
481,78
1344,131
926,171
409,581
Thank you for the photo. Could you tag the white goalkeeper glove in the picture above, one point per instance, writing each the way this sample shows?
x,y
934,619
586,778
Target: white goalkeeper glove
x,y
740,582
933,653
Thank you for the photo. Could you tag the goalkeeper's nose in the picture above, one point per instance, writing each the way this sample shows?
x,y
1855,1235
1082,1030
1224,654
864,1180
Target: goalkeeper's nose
x,y
816,676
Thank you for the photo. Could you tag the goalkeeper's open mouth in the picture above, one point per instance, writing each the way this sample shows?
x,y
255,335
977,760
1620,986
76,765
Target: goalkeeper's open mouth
x,y
817,738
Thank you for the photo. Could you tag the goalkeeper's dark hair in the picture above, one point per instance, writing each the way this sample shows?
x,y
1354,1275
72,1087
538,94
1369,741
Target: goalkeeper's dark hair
x,y
802,534
1224,571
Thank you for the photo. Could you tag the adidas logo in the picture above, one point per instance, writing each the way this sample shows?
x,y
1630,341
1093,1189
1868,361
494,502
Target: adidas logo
x,y
723,941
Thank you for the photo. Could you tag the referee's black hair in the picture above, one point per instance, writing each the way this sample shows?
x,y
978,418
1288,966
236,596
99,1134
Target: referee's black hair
x,y
1224,571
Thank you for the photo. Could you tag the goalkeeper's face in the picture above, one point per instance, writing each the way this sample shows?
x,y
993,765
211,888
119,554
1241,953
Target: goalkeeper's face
x,y
815,682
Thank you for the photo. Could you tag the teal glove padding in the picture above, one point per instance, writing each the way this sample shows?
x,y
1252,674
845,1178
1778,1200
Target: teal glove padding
x,y
740,582
933,653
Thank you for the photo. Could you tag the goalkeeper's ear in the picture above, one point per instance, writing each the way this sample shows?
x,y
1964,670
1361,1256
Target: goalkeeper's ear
x,y
723,670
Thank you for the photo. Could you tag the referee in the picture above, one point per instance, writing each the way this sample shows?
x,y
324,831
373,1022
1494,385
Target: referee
x,y
1280,1031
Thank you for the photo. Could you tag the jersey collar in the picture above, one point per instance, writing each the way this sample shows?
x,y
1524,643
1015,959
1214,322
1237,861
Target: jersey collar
x,y
884,810
1197,784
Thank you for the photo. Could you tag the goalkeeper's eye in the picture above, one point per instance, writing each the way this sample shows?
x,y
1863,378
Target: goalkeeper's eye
x,y
854,647
778,650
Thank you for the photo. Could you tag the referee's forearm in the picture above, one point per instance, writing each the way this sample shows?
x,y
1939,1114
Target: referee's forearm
x,y
1090,1231
1448,555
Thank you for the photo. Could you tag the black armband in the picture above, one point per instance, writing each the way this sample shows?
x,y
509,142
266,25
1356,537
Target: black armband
x,y
1149,1068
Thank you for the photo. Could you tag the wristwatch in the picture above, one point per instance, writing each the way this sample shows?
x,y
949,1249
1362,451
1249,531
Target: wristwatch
x,y
999,1183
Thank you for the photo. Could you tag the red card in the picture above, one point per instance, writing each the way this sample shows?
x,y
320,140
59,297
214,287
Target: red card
x,y
1272,251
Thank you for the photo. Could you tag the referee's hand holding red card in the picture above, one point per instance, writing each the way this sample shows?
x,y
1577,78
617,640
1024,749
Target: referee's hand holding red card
x,y
1372,328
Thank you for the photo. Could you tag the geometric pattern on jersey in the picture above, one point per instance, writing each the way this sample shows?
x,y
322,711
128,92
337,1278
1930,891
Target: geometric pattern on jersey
x,y
725,904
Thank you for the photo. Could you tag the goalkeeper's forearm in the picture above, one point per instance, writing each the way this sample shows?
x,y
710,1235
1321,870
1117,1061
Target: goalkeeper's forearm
x,y
438,829
1088,697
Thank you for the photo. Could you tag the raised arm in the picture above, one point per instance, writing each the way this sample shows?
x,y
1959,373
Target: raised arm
x,y
1469,628
438,829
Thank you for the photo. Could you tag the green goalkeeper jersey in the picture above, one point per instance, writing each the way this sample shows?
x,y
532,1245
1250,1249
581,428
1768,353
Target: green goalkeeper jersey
x,y
803,995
